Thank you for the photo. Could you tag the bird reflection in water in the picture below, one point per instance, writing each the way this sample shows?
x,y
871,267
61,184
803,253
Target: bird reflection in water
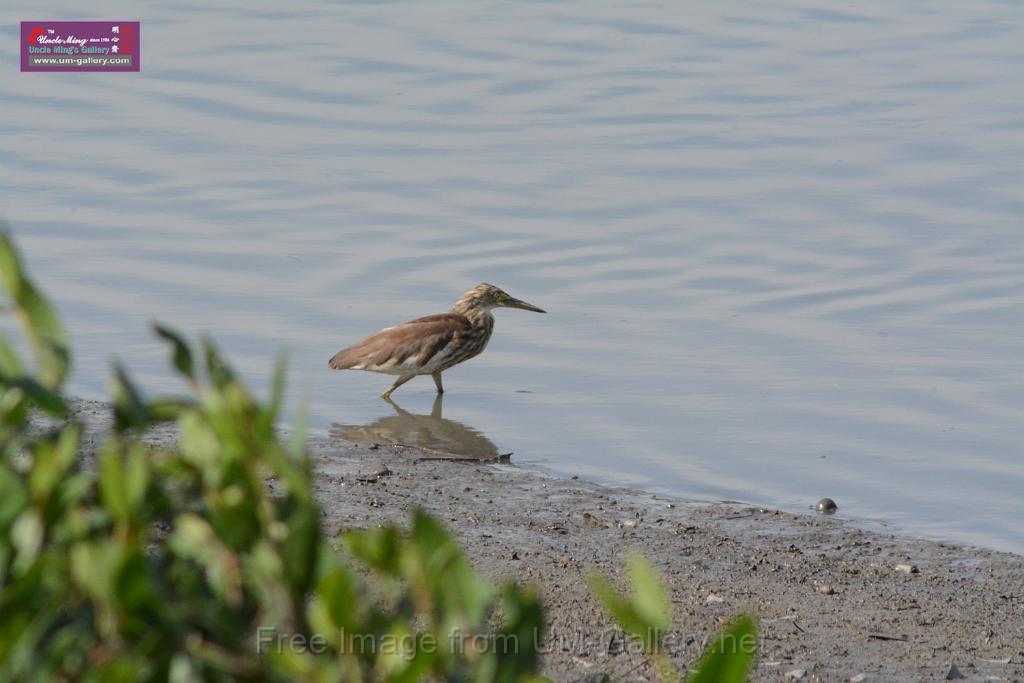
x,y
430,432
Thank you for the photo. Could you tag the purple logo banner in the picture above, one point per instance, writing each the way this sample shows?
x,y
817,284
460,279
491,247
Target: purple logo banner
x,y
80,46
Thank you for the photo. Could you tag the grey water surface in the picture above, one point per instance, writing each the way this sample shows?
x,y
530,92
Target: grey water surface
x,y
781,244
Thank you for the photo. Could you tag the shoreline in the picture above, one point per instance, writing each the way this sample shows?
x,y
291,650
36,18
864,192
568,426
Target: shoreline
x,y
831,602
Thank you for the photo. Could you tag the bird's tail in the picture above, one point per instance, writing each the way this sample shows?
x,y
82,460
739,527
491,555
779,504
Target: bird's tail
x,y
343,359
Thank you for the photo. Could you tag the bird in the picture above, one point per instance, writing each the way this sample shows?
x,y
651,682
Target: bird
x,y
431,345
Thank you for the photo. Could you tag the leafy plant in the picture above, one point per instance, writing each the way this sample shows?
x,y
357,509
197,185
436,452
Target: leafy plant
x,y
645,615
205,561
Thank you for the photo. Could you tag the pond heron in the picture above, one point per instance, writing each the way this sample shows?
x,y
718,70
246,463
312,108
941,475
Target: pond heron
x,y
431,345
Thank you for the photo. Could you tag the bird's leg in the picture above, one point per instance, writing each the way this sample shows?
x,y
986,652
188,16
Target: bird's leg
x,y
398,382
437,381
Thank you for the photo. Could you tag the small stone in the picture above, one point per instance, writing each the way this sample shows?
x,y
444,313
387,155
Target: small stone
x,y
858,678
826,589
374,474
713,599
907,568
826,506
954,673
796,674
629,523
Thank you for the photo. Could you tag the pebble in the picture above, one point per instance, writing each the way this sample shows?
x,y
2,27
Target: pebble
x,y
826,589
374,473
907,568
826,506
858,678
796,674
713,599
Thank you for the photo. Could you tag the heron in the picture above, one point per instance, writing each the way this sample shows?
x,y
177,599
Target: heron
x,y
431,345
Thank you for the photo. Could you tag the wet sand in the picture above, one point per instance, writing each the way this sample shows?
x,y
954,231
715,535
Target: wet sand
x,y
832,602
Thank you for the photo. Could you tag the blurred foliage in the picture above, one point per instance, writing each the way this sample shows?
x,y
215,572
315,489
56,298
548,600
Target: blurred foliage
x,y
645,615
205,561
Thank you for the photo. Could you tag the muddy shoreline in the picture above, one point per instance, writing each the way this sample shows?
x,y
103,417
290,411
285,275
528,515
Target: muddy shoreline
x,y
832,602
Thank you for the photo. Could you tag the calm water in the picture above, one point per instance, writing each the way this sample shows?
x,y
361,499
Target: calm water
x,y
782,248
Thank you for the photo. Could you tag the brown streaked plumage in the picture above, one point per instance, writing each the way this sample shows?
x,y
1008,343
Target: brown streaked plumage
x,y
431,345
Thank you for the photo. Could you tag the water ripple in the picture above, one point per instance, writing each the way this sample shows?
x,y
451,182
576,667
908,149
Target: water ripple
x,y
781,246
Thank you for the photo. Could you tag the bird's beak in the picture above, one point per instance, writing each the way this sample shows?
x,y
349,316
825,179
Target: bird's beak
x,y
516,303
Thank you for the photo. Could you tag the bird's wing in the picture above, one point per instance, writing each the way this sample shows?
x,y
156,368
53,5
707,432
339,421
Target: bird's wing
x,y
406,346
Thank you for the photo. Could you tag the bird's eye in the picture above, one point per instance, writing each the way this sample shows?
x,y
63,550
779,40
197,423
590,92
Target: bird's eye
x,y
502,298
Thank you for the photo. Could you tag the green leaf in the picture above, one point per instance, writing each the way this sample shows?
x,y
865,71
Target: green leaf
x,y
10,264
377,547
136,477
168,409
408,663
620,609
13,410
181,355
130,409
301,548
193,538
52,462
112,483
27,539
10,364
516,647
14,496
234,511
300,432
339,590
730,655
124,478
47,336
135,590
645,614
44,398
43,327
433,557
216,369
277,381
93,565
650,600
